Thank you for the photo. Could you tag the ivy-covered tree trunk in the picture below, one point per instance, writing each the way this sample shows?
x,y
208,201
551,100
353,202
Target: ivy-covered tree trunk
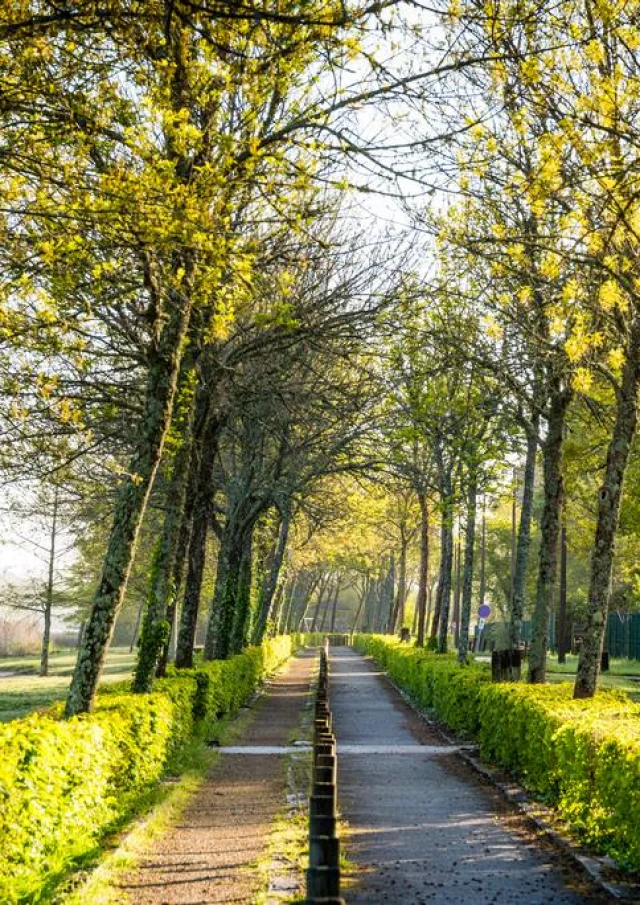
x,y
193,588
184,539
229,617
524,535
609,499
423,579
242,605
162,592
202,503
271,582
131,503
217,602
467,581
198,544
549,531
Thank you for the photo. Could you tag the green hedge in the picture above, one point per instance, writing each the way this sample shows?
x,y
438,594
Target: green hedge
x,y
64,784
581,756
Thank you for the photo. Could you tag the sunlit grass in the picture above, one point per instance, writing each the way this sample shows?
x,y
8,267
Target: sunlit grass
x,y
621,676
27,691
618,667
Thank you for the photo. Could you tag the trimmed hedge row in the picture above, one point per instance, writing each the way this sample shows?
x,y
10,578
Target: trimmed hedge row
x,y
581,756
64,784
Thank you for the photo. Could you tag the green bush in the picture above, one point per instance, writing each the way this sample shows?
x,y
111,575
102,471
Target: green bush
x,y
581,756
64,784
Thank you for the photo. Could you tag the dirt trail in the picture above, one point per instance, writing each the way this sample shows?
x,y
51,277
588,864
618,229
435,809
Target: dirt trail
x,y
423,828
209,857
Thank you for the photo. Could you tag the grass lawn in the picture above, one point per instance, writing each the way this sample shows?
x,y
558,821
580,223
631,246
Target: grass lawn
x,y
623,674
25,690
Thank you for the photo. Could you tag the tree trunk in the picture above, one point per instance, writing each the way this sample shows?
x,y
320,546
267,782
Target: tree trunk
x,y
202,502
609,498
324,582
173,614
514,533
193,588
467,583
306,600
334,609
369,605
524,535
131,504
562,602
242,604
458,590
446,493
276,608
327,604
361,604
397,616
214,622
289,591
228,595
136,628
48,600
162,593
269,586
549,532
423,579
389,596
435,622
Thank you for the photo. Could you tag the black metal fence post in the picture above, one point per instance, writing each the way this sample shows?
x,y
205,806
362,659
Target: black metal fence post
x,y
323,874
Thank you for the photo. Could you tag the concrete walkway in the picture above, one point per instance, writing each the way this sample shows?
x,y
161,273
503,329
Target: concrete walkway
x,y
423,828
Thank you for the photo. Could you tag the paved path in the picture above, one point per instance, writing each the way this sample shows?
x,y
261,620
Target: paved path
x,y
423,828
210,855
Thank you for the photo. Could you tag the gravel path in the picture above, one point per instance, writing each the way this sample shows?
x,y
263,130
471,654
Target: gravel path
x,y
211,855
423,828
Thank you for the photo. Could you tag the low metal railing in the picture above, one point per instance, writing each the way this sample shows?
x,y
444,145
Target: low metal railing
x,y
323,874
